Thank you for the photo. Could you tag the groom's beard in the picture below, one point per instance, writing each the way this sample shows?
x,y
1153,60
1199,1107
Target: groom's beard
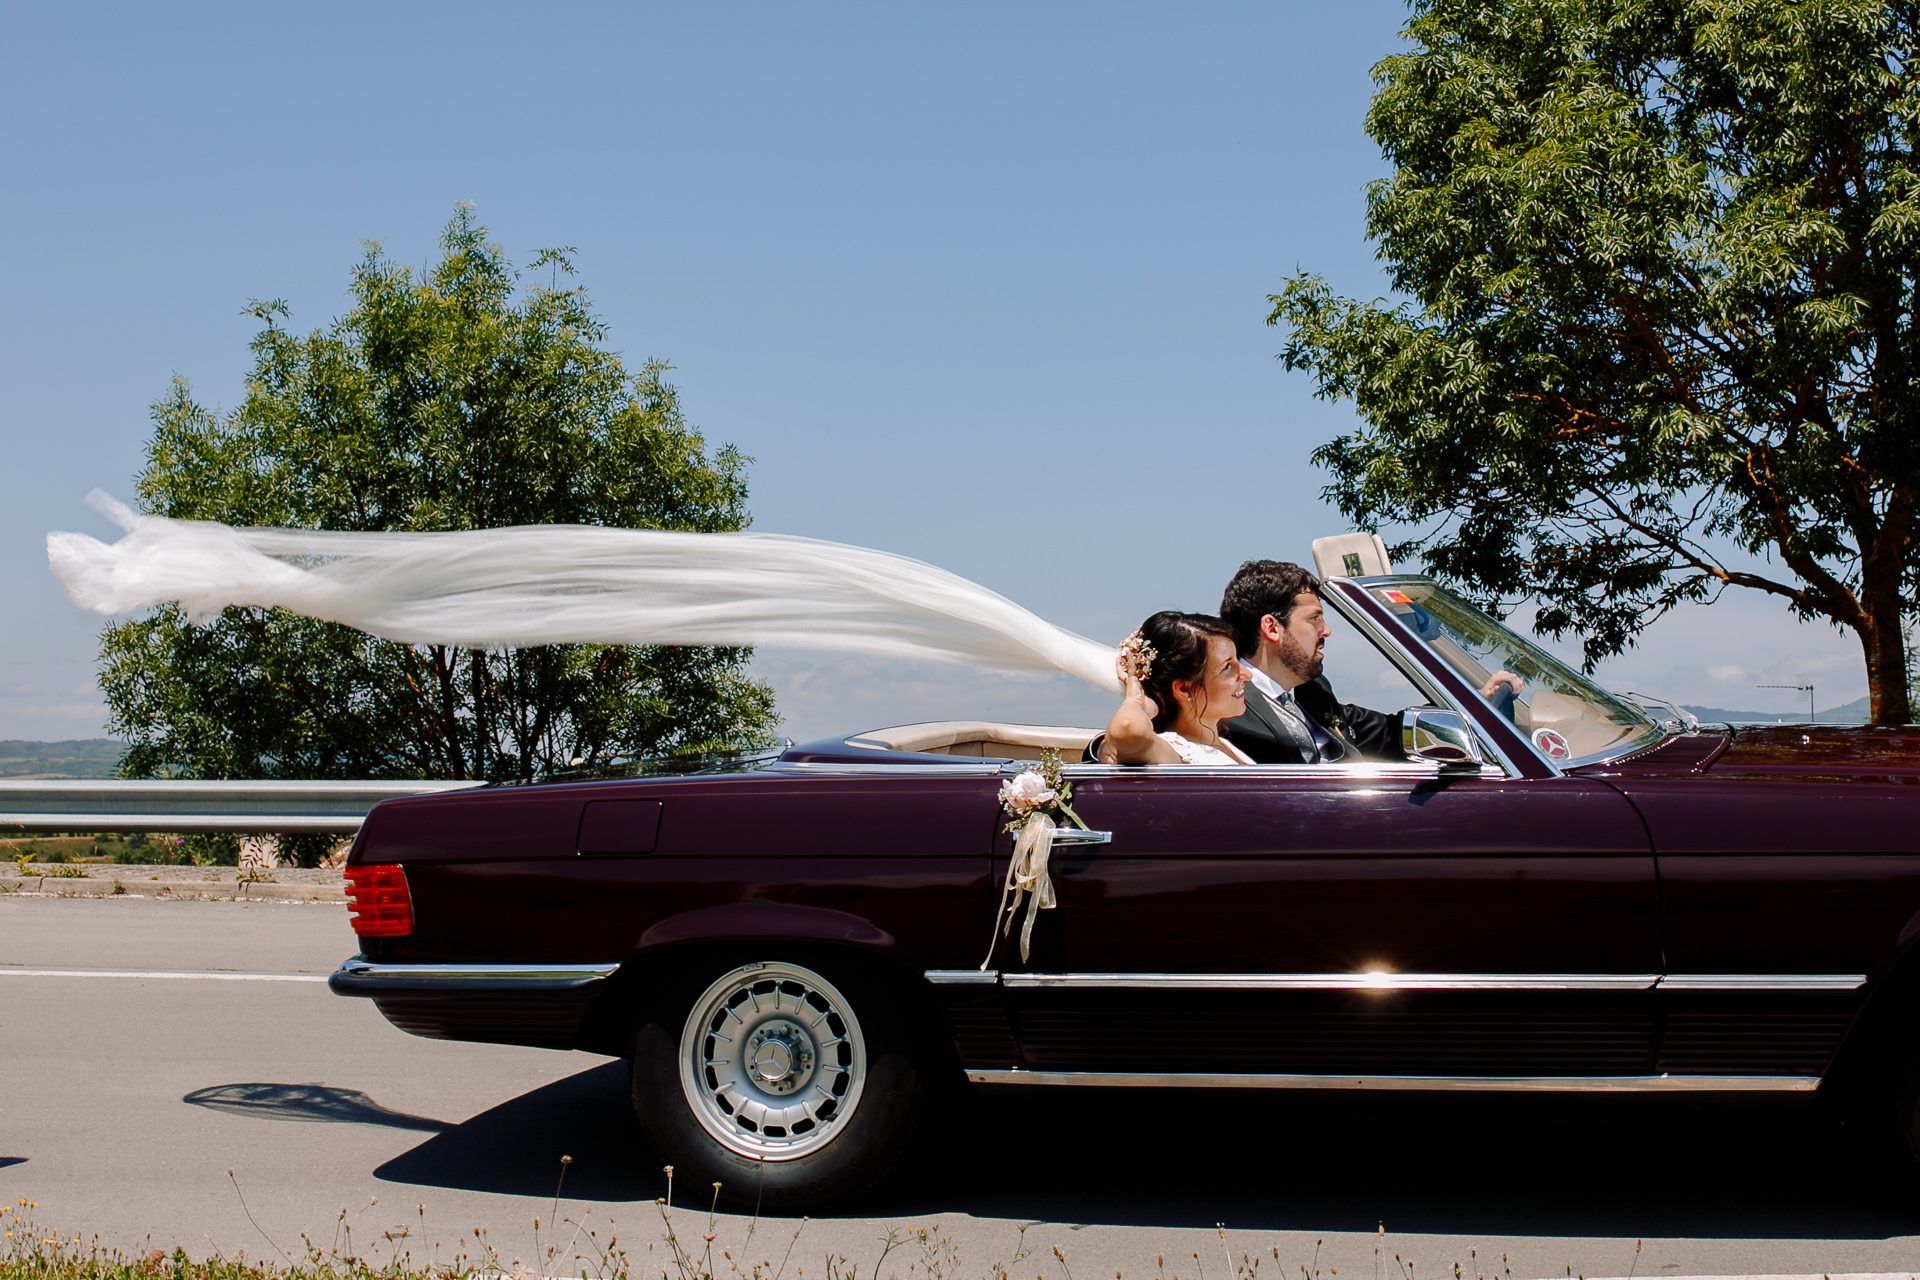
x,y
1303,663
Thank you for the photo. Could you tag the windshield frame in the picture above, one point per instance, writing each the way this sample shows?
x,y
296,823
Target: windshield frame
x,y
1353,599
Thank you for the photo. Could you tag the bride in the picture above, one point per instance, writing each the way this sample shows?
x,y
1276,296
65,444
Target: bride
x,y
1179,679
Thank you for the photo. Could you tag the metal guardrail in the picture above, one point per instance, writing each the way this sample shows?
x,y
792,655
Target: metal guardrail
x,y
251,807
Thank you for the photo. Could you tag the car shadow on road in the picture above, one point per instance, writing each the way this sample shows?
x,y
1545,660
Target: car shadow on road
x,y
515,1148
1483,1166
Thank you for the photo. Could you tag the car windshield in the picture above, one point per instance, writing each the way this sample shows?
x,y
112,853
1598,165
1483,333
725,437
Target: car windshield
x,y
1567,716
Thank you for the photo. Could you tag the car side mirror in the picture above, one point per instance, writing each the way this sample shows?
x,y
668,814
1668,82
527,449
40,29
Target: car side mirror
x,y
1439,736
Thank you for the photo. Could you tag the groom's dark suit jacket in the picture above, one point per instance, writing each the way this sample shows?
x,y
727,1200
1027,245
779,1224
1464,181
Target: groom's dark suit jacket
x,y
1362,733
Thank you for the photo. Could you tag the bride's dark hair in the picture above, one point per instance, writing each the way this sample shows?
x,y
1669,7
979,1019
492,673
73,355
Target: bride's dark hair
x,y
1179,643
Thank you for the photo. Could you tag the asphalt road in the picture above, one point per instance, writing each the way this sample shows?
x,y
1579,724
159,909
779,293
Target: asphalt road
x,y
126,1098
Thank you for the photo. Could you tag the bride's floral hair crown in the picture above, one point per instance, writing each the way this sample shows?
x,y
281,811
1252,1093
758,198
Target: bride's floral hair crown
x,y
1136,657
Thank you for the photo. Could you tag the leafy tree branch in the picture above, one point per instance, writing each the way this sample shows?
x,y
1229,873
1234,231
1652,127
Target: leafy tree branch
x,y
1660,261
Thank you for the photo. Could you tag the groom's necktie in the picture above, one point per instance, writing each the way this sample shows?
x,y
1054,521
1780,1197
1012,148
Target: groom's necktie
x,y
1298,730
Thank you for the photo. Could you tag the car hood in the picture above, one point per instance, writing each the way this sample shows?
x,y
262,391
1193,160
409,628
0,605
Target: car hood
x,y
1826,752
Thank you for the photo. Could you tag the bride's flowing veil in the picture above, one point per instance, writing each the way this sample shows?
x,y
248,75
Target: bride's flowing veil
x,y
579,584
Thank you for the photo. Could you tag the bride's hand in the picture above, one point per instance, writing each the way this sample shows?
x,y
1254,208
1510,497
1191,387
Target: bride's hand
x,y
1133,658
1131,690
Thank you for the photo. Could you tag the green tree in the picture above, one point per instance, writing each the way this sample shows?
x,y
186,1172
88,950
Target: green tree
x,y
1658,262
1913,661
456,400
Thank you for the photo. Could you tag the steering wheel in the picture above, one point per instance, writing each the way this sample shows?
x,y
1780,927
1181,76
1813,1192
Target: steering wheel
x,y
1501,700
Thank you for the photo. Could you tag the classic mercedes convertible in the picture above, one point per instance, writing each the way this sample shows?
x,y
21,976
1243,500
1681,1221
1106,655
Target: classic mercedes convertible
x,y
1569,891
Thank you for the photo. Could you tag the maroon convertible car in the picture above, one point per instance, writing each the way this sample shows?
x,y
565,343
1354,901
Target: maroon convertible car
x,y
1570,891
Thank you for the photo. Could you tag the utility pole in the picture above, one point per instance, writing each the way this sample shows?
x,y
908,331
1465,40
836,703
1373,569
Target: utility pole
x,y
1812,715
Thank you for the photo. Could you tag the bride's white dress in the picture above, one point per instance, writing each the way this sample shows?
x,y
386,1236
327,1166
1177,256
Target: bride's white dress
x,y
1201,752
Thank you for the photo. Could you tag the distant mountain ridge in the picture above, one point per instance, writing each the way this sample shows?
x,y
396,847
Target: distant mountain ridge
x,y
1855,712
74,758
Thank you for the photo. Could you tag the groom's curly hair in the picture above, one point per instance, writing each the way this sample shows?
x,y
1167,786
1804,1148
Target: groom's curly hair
x,y
1179,643
1259,588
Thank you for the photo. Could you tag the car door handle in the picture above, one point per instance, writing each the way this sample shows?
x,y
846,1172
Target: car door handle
x,y
1074,835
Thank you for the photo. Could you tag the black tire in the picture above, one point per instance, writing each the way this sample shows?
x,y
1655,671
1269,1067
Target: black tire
x,y
1903,1081
791,1086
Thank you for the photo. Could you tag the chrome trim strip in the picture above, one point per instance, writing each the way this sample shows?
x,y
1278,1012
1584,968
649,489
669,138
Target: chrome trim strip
x,y
963,977
1363,771
1763,982
1443,981
1075,835
1340,981
972,769
359,971
1449,1084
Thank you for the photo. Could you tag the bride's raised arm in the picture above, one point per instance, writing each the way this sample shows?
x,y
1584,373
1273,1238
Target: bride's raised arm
x,y
1130,735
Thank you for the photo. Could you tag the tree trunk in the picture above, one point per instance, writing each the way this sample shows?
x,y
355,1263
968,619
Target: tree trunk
x,y
443,660
1885,643
482,696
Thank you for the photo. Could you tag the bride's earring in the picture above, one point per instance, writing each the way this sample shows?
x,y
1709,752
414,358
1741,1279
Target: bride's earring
x,y
1189,696
1199,710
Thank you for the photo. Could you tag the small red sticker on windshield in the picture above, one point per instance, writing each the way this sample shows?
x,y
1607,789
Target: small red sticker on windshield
x,y
1395,597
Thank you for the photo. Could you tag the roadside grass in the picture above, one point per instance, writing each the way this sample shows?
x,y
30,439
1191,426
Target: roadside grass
x,y
161,849
120,848
49,848
25,868
565,1245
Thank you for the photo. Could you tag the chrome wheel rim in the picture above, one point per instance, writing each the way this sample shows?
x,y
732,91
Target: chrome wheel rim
x,y
772,1061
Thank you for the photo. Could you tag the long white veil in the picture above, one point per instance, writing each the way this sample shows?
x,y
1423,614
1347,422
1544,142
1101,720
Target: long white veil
x,y
553,584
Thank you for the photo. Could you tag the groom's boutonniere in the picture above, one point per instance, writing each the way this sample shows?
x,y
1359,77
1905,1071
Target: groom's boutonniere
x,y
1031,798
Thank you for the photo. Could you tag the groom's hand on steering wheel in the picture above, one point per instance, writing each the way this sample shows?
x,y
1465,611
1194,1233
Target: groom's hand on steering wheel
x,y
1513,683
1501,688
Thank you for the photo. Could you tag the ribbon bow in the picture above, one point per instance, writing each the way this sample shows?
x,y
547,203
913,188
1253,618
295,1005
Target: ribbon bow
x,y
1027,874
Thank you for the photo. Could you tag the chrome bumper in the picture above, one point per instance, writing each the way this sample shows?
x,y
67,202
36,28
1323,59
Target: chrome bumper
x,y
362,977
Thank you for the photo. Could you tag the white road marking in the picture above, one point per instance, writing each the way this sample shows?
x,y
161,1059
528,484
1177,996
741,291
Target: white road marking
x,y
171,975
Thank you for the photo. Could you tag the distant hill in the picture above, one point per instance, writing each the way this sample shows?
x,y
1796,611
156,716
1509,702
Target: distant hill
x,y
79,758
1854,712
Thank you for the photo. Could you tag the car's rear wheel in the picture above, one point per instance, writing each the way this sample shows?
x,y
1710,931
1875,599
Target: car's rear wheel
x,y
788,1087
1904,1077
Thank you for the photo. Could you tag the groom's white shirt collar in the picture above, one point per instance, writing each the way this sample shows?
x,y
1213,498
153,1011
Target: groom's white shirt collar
x,y
1264,682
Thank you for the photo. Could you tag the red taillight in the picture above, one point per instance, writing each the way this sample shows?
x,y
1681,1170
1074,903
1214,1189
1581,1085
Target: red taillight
x,y
378,903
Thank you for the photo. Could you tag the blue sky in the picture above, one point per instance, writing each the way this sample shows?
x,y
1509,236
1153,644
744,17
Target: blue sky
x,y
981,284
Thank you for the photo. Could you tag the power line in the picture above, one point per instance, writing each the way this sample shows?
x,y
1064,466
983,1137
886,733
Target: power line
x,y
1812,715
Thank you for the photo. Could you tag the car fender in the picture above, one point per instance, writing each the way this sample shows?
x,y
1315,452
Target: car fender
x,y
670,944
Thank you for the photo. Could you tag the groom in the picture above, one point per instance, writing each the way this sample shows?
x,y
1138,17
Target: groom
x,y
1292,716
